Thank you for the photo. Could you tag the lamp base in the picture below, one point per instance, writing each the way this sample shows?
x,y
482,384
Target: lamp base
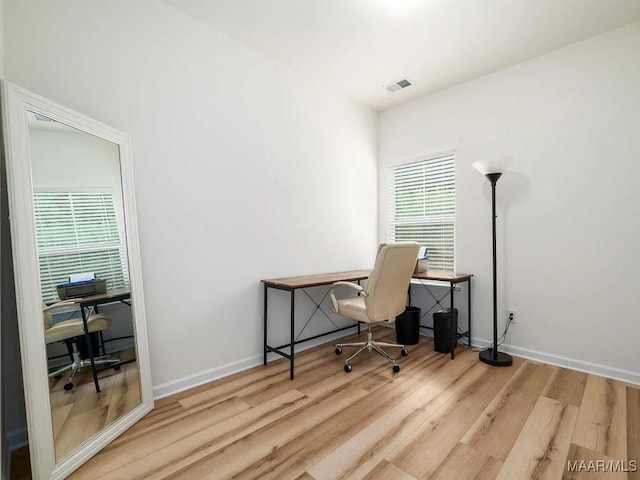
x,y
501,360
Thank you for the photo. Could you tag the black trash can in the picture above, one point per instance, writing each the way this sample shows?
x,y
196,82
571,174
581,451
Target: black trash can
x,y
444,328
408,326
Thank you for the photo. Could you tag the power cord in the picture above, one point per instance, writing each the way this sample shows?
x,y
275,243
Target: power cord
x,y
506,329
502,337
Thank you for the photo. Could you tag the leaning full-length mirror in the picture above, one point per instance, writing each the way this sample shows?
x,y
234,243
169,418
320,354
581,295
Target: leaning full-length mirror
x,y
78,282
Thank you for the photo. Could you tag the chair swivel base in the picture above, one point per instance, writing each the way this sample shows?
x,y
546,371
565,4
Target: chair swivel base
x,y
499,360
370,345
78,363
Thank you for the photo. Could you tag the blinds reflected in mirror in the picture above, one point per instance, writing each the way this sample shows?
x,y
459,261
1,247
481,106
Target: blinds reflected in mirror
x,y
78,231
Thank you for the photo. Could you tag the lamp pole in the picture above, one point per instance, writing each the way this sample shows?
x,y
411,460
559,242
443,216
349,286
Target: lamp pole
x,y
492,356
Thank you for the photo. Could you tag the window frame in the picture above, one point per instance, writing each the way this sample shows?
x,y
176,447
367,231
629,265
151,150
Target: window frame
x,y
445,259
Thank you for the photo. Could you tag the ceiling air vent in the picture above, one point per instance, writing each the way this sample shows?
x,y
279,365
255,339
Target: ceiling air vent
x,y
397,85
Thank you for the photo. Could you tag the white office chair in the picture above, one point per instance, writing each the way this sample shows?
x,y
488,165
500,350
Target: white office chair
x,y
72,331
383,297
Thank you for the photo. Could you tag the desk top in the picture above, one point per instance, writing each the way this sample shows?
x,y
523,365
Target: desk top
x,y
304,281
443,276
110,296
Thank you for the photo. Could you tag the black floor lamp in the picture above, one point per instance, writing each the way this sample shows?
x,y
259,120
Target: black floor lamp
x,y
493,170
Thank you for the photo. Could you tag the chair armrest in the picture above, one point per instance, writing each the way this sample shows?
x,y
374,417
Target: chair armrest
x,y
63,303
353,286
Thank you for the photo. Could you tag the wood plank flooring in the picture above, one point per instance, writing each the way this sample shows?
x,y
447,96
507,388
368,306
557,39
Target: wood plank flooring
x,y
436,419
80,413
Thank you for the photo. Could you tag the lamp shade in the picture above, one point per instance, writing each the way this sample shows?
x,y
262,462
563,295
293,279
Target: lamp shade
x,y
494,165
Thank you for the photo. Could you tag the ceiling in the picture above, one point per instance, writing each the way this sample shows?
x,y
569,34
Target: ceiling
x,y
355,47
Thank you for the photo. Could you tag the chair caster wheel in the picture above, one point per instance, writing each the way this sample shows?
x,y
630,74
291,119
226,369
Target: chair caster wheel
x,y
404,352
68,386
338,350
117,366
396,368
347,367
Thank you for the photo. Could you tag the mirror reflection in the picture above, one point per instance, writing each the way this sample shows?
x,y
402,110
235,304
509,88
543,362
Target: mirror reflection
x,y
84,279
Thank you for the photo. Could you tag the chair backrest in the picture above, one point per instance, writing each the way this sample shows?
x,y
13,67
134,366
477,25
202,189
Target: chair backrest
x,y
389,281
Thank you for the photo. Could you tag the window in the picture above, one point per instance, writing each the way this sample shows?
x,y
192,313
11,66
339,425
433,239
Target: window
x,y
422,207
78,232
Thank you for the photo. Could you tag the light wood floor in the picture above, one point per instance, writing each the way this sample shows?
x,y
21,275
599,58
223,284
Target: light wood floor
x,y
436,418
78,414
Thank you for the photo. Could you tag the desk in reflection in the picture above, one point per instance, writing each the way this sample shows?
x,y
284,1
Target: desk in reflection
x,y
88,307
94,301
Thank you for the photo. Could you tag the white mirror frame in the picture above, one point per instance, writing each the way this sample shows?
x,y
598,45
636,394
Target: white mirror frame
x,y
16,102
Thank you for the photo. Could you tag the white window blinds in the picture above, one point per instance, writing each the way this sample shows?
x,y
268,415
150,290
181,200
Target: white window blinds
x,y
78,232
423,207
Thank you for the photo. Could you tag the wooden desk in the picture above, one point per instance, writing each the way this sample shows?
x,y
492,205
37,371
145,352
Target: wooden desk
x,y
85,303
452,278
100,299
291,284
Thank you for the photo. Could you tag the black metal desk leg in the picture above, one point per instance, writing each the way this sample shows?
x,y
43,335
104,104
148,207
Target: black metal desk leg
x,y
469,308
293,316
454,323
358,322
87,339
264,326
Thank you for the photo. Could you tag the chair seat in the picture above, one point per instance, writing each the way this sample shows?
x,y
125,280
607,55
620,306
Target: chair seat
x,y
74,328
354,307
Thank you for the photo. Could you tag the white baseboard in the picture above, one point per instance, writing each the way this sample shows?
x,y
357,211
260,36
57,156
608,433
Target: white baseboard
x,y
570,363
191,381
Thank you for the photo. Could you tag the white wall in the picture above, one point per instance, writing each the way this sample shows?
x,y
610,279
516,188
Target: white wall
x,y
242,172
70,159
76,159
568,230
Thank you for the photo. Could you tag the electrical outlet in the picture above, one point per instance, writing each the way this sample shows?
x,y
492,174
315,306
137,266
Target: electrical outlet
x,y
512,315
